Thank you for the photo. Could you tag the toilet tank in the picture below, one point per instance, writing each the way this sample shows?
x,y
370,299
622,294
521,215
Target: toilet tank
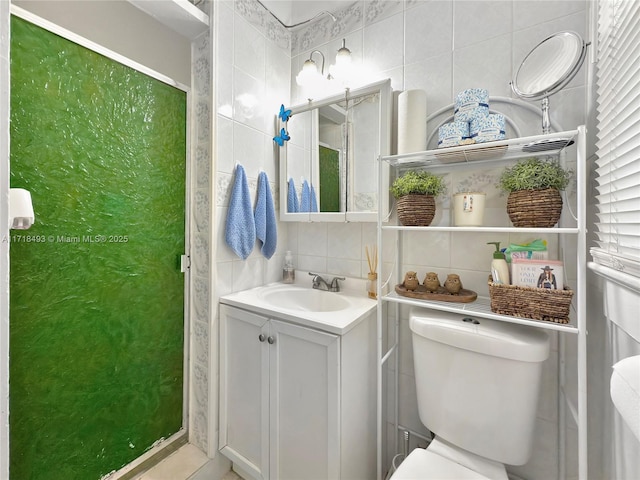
x,y
478,381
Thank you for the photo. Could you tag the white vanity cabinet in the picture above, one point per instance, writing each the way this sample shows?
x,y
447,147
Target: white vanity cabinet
x,y
297,402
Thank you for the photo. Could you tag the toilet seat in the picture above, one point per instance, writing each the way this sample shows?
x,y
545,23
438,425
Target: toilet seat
x,y
422,464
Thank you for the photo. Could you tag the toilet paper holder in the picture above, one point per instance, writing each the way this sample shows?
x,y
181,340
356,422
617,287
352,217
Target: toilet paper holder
x,y
21,215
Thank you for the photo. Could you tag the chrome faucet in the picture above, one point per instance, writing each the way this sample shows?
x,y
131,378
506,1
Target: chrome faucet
x,y
321,284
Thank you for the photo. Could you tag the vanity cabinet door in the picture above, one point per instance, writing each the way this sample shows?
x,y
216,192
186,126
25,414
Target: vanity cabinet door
x,y
304,403
279,398
244,390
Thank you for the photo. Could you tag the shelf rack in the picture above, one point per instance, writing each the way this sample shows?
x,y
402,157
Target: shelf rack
x,y
481,307
500,151
552,145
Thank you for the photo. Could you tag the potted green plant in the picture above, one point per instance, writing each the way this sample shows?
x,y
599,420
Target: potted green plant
x,y
415,192
534,185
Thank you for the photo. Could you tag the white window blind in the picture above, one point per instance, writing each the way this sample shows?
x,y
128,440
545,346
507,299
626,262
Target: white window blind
x,y
618,136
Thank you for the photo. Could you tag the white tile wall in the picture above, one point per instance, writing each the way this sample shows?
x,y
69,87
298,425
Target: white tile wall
x,y
383,43
253,63
429,31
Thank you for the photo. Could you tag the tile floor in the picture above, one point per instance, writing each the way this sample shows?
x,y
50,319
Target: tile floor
x,y
184,464
232,476
180,465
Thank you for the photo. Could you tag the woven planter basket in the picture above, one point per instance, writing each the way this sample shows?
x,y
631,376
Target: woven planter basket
x,y
534,208
527,302
416,210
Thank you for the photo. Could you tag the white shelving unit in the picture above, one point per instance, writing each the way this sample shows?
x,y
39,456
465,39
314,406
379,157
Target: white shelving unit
x,y
180,15
575,232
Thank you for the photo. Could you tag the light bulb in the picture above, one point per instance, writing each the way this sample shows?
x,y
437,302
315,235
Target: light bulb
x,y
343,57
308,74
342,69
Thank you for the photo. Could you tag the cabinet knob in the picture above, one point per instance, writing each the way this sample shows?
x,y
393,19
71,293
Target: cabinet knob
x,y
262,337
271,340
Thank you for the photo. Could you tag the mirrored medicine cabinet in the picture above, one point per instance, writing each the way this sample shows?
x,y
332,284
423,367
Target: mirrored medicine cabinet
x,y
334,144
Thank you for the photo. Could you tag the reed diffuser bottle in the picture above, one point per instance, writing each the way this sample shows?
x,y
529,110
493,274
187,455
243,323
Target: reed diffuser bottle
x,y
372,276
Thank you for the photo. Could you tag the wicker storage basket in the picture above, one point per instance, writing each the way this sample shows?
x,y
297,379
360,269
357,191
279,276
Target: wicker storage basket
x,y
534,208
527,302
416,210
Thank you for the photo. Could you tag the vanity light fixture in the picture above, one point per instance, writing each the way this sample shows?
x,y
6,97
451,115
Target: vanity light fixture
x,y
309,75
340,76
342,69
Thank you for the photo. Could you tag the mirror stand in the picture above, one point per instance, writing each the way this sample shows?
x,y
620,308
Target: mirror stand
x,y
546,118
548,68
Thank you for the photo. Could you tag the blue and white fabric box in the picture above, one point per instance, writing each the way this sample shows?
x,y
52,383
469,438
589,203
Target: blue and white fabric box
x,y
471,104
451,134
488,129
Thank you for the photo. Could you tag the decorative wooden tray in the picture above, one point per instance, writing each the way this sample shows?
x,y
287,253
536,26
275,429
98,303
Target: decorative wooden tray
x,y
465,296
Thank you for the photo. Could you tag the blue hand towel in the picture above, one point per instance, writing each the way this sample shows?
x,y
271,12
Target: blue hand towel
x,y
292,198
265,217
240,230
305,197
314,201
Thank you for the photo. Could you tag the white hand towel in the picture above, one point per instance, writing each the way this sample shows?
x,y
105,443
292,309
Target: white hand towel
x,y
305,197
240,230
292,198
265,217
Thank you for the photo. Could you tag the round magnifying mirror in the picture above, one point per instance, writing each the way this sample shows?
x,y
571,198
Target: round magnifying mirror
x,y
548,68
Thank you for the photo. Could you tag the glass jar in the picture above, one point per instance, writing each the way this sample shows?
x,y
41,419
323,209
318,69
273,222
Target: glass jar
x,y
372,285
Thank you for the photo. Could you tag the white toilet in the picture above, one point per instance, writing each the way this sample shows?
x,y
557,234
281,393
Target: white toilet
x,y
477,383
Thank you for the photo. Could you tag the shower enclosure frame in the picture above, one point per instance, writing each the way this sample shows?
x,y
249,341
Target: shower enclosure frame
x,y
166,446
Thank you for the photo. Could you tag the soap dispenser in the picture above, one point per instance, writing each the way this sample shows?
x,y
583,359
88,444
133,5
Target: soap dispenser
x,y
288,272
499,267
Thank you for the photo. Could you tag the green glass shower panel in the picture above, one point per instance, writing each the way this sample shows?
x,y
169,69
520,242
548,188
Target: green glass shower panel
x,y
97,298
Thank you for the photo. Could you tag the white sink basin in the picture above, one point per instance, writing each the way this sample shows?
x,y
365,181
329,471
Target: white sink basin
x,y
335,312
304,299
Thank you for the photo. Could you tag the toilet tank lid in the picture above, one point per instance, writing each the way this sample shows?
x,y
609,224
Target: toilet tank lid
x,y
481,335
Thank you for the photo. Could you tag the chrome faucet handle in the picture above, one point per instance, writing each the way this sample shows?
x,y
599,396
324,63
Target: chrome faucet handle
x,y
335,286
317,279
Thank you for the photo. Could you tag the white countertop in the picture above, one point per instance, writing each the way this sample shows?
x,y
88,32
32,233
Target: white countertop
x,y
357,304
